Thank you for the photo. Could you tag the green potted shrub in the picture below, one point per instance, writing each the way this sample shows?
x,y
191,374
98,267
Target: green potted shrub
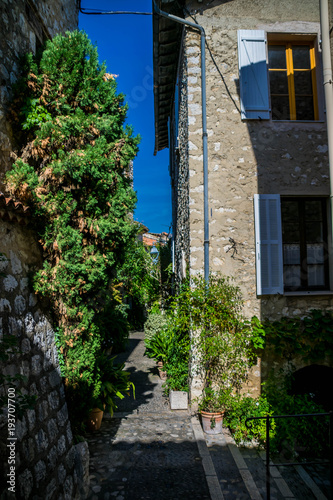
x,y
221,339
157,348
212,406
177,367
114,383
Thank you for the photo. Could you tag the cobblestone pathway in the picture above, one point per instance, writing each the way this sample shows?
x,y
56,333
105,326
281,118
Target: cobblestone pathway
x,y
146,451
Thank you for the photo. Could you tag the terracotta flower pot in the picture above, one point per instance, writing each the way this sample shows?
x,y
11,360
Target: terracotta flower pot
x,y
162,374
94,421
212,422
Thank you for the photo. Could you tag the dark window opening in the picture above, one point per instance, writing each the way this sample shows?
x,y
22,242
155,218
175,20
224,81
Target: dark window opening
x,y
304,237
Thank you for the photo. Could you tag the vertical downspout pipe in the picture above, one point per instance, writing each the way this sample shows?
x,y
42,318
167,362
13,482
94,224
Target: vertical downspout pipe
x,y
327,72
204,127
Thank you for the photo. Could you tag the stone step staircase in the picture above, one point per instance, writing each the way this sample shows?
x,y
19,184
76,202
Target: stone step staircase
x,y
241,474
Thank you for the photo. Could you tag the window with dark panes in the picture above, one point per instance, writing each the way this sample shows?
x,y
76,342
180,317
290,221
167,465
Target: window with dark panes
x,y
292,81
304,239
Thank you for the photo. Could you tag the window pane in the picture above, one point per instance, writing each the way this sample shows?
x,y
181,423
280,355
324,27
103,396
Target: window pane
x,y
280,108
304,108
292,276
313,210
277,57
289,210
290,232
314,232
278,82
291,254
301,56
303,83
316,276
315,253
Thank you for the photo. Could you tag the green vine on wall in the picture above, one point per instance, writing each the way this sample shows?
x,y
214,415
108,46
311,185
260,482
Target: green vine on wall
x,y
73,172
310,337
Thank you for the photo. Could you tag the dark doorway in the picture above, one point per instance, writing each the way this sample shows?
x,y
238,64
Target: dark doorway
x,y
316,380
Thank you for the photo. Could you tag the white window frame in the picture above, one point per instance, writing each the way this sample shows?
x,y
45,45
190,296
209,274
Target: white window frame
x,y
254,75
267,244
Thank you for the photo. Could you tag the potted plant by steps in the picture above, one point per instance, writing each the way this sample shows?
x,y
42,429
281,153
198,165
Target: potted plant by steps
x,y
114,384
212,406
222,342
177,382
157,348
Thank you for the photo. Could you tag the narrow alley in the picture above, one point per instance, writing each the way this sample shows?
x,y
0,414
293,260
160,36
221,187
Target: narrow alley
x,y
146,451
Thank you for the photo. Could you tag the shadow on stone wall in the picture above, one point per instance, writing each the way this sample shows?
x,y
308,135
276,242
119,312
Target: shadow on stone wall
x,y
47,465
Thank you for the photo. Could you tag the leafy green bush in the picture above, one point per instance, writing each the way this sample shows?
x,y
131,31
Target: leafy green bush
x,y
238,409
139,276
156,322
177,366
73,171
309,337
306,435
113,324
222,339
157,346
166,342
114,383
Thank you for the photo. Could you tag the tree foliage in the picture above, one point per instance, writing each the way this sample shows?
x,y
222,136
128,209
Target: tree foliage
x,y
73,170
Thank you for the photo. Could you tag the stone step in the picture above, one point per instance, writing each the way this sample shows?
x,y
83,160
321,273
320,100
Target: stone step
x,y
241,474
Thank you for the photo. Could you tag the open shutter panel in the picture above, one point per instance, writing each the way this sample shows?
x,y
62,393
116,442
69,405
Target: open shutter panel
x,y
253,77
268,232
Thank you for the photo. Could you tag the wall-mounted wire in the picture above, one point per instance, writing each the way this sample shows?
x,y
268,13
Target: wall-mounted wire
x,y
96,12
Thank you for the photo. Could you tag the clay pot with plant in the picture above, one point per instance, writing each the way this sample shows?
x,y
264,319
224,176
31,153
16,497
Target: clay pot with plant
x,y
114,384
222,341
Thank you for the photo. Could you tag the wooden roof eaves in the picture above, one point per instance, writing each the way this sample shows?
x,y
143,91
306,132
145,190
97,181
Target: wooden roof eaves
x,y
166,47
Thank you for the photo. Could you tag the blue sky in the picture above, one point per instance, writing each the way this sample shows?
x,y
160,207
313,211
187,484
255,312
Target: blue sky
x,y
124,42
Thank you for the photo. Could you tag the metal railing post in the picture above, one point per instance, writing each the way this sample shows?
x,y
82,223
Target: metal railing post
x,y
331,453
268,473
307,415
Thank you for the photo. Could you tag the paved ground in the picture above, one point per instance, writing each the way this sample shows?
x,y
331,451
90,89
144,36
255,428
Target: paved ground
x,y
146,451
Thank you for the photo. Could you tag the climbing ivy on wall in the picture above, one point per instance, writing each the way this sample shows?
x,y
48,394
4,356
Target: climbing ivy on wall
x,y
73,172
310,337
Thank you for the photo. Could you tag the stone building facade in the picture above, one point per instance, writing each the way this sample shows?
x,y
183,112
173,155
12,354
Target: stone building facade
x,y
258,154
43,461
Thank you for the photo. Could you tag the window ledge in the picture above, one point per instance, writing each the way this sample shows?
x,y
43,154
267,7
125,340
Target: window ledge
x,y
311,122
311,292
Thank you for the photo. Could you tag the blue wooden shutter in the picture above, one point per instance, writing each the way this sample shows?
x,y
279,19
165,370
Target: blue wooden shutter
x,y
253,77
268,233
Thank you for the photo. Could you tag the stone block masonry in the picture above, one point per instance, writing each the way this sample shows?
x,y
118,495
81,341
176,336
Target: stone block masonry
x,y
24,26
46,464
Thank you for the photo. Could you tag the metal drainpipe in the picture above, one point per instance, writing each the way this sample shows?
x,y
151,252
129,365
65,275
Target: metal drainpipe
x,y
204,127
327,70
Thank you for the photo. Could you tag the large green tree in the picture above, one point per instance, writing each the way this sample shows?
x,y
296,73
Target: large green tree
x,y
73,170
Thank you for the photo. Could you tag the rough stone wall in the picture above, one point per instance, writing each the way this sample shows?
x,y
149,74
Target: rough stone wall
x,y
180,179
47,465
25,25
247,157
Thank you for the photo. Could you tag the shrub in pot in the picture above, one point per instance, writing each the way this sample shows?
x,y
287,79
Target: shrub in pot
x,y
114,384
222,339
212,405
